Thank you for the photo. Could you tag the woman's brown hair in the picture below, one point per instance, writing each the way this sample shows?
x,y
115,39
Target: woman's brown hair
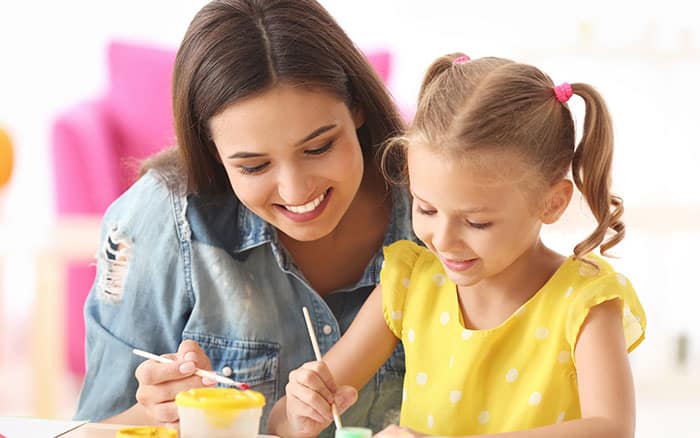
x,y
235,49
492,103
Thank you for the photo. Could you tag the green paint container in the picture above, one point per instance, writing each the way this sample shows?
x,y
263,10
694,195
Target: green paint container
x,y
353,432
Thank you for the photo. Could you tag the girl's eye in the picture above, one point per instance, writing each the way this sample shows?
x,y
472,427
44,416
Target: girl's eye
x,y
320,151
425,212
252,170
479,226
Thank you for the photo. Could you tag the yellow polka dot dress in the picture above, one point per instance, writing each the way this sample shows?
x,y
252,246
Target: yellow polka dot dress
x,y
519,375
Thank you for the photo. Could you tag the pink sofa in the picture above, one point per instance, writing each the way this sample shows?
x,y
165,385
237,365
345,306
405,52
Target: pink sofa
x,y
96,146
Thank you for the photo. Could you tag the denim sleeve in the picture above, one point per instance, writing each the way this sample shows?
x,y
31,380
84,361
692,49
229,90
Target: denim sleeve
x,y
140,297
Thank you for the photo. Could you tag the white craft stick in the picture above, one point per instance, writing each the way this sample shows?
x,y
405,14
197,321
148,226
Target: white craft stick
x,y
317,352
200,372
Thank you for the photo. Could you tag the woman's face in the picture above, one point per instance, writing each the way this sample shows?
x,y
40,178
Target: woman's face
x,y
292,157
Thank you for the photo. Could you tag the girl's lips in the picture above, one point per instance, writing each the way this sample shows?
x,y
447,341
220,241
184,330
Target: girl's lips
x,y
459,265
309,215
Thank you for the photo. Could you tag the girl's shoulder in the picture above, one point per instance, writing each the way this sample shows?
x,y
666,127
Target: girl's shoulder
x,y
406,258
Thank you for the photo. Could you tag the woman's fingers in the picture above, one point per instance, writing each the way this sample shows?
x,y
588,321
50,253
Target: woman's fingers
x,y
159,383
164,413
189,350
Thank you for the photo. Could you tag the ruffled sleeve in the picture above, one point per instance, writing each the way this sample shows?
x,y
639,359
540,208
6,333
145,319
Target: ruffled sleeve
x,y
608,286
399,259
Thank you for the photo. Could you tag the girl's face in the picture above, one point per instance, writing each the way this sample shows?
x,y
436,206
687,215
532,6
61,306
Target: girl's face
x,y
474,217
292,157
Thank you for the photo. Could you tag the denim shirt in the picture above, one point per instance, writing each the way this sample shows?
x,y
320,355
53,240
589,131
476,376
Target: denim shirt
x,y
174,267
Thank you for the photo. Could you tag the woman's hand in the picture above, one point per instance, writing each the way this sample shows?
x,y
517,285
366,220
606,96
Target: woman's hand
x,y
395,431
310,392
159,383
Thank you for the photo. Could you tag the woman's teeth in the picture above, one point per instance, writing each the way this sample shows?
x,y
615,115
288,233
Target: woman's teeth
x,y
310,206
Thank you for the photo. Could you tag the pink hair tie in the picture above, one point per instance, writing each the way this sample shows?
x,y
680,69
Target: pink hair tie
x,y
461,59
563,92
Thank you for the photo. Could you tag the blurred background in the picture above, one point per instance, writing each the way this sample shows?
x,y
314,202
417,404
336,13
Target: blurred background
x,y
84,94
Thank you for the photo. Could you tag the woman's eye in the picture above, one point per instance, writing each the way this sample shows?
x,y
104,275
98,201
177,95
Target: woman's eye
x,y
479,226
320,151
245,170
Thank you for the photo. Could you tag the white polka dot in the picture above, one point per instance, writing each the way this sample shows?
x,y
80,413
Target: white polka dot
x,y
444,318
421,378
535,399
452,360
621,279
568,292
560,418
564,356
455,396
541,333
431,421
484,417
627,311
403,395
512,375
466,334
396,315
406,282
411,335
439,279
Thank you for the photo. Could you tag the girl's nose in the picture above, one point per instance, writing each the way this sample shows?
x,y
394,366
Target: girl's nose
x,y
445,237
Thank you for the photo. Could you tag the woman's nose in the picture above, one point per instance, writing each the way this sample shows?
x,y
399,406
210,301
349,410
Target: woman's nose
x,y
294,185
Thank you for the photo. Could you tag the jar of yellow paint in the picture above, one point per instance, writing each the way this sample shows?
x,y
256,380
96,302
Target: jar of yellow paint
x,y
146,432
219,413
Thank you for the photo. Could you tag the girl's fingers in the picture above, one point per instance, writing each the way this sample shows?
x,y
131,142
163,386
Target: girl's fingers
x,y
310,379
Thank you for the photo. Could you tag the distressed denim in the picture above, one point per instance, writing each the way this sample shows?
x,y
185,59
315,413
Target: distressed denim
x,y
175,267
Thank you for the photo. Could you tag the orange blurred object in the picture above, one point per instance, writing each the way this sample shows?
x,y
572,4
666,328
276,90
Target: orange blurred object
x,y
6,158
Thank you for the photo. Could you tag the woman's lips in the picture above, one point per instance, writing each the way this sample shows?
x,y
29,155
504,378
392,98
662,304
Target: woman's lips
x,y
308,215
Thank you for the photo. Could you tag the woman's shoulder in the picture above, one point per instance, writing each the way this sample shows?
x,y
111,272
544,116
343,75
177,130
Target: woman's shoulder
x,y
148,196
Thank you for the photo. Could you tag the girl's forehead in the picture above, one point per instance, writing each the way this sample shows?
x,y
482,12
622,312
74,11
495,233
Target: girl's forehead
x,y
487,166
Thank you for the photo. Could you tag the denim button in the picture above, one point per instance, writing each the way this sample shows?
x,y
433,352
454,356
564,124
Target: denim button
x,y
226,371
327,329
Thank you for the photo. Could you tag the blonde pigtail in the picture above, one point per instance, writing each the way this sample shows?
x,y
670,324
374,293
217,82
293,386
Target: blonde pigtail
x,y
592,173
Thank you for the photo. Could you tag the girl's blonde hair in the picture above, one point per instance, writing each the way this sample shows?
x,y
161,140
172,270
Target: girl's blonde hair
x,y
498,104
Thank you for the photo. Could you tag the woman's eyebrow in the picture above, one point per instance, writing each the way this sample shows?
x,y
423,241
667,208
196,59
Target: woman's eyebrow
x,y
315,133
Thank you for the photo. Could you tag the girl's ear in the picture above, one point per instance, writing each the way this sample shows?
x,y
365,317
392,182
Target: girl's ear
x,y
557,200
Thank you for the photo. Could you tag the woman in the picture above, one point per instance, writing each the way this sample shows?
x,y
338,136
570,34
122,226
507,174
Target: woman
x,y
273,200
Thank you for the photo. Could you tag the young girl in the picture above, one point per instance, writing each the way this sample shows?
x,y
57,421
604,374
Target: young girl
x,y
502,335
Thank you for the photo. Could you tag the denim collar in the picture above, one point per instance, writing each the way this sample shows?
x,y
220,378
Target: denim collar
x,y
254,232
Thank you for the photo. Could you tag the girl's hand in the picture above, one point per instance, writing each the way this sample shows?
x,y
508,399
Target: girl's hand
x,y
310,392
395,431
159,383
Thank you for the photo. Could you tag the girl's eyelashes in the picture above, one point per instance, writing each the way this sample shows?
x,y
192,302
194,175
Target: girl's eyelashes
x,y
430,212
479,226
322,150
424,211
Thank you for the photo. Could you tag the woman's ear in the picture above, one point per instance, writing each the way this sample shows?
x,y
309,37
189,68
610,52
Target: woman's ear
x,y
358,116
557,200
